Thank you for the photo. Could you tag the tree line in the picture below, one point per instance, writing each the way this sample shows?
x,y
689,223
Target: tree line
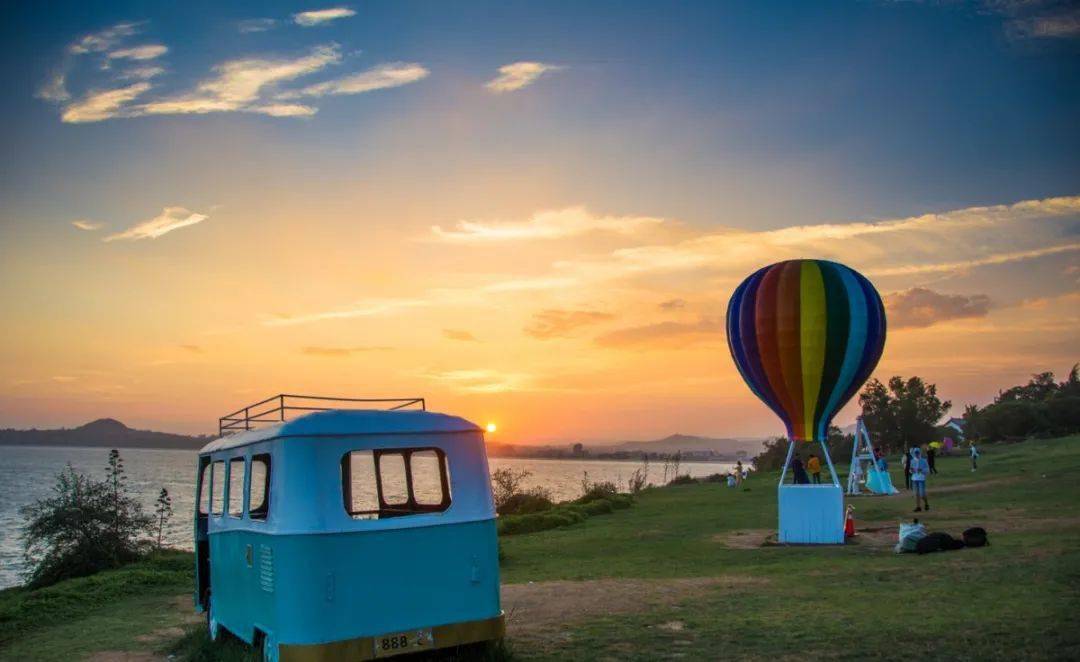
x,y
905,412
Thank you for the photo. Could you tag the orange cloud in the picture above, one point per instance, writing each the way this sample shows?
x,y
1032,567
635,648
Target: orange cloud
x,y
665,334
548,324
921,307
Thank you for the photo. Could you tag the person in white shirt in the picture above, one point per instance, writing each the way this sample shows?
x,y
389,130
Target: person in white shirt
x,y
919,469
974,456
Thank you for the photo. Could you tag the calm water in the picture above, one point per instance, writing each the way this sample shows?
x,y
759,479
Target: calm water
x,y
26,474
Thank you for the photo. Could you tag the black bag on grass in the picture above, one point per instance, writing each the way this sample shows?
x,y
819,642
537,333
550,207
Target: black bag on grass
x,y
937,542
976,537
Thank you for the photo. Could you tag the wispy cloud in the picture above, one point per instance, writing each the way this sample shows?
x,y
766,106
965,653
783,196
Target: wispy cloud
x,y
369,308
337,352
87,224
140,72
251,25
672,304
170,218
317,17
550,224
54,89
139,53
458,334
518,75
919,307
971,237
98,42
665,334
548,324
101,105
381,77
481,380
239,84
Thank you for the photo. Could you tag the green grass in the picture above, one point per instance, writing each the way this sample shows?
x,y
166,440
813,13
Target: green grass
x,y
1017,598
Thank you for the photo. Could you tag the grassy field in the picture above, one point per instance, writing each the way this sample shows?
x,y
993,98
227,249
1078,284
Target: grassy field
x,y
688,572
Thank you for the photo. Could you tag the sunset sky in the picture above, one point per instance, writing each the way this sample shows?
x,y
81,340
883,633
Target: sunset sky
x,y
529,213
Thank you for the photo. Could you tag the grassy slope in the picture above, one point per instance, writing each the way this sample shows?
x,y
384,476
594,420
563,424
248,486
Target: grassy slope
x,y
1017,597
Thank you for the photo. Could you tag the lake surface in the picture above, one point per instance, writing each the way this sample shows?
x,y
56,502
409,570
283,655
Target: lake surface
x,y
27,474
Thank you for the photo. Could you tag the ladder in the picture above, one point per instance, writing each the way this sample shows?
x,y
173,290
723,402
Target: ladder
x,y
861,451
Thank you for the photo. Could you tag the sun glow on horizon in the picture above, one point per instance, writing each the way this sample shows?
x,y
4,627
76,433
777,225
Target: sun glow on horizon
x,y
491,428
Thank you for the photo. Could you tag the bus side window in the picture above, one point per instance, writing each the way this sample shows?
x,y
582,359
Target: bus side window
x,y
217,501
428,470
358,485
259,487
236,487
393,483
204,490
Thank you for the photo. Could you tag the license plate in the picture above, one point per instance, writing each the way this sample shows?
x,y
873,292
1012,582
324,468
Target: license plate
x,y
404,642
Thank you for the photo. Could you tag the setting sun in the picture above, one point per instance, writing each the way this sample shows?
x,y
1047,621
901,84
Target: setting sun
x,y
491,427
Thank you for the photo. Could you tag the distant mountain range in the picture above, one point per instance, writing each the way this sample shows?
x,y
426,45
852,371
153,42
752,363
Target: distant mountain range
x,y
111,433
104,432
689,446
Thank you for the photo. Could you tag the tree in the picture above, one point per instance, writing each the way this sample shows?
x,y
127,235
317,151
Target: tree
x,y
1040,408
1039,389
164,512
83,527
903,414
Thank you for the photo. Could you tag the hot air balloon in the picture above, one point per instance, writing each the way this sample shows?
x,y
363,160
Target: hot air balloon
x,y
805,335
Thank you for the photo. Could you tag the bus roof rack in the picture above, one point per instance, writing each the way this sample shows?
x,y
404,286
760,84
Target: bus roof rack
x,y
275,409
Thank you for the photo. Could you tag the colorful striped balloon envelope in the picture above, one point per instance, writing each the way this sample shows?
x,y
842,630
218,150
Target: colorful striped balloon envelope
x,y
805,335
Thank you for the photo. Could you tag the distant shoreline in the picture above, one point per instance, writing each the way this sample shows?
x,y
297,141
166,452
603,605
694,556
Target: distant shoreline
x,y
628,460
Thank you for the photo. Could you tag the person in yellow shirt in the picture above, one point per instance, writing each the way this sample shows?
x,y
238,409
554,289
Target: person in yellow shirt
x,y
813,465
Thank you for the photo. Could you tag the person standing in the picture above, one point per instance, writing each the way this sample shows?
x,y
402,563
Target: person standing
x,y
919,469
905,460
738,473
974,456
931,456
813,465
798,473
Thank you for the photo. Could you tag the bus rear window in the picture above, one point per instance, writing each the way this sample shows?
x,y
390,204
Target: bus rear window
x,y
393,483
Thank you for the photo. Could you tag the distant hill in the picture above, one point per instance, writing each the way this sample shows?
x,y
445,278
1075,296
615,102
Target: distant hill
x,y
691,447
687,444
104,432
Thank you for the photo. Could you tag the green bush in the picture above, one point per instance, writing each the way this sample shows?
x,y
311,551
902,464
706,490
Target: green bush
x,y
561,515
524,503
84,527
685,479
597,491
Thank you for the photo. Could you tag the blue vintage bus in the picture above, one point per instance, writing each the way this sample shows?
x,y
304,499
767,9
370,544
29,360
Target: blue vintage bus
x,y
346,533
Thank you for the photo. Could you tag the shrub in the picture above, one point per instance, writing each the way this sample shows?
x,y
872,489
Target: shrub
x,y
685,479
716,478
523,503
593,491
85,526
505,483
563,514
639,478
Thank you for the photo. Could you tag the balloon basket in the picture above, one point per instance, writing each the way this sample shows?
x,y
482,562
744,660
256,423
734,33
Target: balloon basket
x,y
811,514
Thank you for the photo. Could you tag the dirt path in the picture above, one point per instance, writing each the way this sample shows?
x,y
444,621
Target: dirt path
x,y
539,614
